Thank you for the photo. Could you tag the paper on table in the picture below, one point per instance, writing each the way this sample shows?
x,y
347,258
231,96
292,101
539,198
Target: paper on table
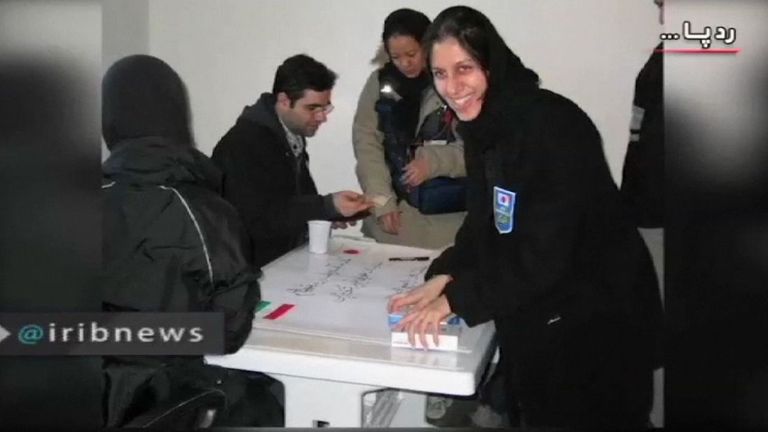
x,y
338,294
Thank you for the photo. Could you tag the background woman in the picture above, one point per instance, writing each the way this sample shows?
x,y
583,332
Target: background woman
x,y
397,109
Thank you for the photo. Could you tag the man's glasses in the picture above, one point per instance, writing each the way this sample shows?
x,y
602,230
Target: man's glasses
x,y
319,109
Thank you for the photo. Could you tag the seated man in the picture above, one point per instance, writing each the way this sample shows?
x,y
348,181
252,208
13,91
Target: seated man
x,y
170,242
266,167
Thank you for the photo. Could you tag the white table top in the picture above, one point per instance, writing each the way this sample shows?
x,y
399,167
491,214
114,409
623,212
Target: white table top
x,y
309,354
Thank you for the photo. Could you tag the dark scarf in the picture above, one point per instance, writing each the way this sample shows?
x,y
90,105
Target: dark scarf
x,y
511,87
407,88
406,115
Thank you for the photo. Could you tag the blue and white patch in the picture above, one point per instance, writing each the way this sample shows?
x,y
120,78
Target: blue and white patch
x,y
503,210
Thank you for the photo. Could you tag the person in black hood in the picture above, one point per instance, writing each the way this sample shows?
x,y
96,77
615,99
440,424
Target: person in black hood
x,y
546,251
170,242
266,165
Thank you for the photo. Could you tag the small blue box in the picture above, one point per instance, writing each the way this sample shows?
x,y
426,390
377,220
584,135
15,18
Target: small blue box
x,y
396,317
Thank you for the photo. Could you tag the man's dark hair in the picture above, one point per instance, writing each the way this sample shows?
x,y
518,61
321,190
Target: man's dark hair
x,y
299,73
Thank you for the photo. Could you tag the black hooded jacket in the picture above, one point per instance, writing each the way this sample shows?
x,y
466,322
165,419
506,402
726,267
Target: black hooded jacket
x,y
571,251
170,242
271,188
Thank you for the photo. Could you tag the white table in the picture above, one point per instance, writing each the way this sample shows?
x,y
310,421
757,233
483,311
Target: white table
x,y
325,377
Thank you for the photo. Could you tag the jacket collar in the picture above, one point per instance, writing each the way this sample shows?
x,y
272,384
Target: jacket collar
x,y
263,113
160,161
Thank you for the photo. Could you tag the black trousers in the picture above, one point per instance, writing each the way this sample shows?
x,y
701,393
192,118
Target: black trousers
x,y
576,372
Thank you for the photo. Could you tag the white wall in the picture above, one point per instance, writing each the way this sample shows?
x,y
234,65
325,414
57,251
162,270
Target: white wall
x,y
227,52
65,34
125,29
65,39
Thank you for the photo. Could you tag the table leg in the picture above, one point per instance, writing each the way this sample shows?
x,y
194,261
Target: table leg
x,y
412,411
318,403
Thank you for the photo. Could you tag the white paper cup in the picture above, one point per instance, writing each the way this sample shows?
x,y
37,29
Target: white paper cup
x,y
319,233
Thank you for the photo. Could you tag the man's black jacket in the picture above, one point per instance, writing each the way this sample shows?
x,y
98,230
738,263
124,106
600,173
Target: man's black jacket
x,y
271,188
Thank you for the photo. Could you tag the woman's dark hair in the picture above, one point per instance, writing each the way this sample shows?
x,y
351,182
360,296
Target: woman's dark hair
x,y
469,27
404,22
477,35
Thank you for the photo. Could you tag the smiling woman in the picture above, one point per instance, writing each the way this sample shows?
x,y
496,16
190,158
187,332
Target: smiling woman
x,y
459,78
545,251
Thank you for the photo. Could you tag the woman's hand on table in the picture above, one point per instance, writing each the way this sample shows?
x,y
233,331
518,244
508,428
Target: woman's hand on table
x,y
419,322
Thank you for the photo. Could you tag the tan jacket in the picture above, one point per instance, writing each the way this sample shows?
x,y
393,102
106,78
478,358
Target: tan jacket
x,y
431,231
